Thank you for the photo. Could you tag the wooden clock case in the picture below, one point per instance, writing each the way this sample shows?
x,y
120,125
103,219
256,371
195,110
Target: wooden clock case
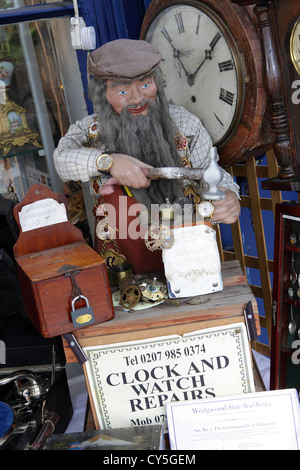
x,y
284,16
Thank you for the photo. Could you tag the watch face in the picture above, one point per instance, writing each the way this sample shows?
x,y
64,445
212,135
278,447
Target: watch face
x,y
104,162
201,66
295,46
206,209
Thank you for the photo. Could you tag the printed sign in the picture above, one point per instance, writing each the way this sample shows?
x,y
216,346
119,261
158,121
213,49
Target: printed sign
x,y
131,383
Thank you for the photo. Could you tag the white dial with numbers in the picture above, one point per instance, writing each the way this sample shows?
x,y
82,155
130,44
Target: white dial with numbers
x,y
206,209
201,65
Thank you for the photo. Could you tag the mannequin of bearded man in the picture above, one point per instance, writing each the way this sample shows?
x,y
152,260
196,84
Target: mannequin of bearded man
x,y
133,109
138,128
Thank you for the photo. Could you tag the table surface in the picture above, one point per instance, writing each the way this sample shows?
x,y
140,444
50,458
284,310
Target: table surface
x,y
226,306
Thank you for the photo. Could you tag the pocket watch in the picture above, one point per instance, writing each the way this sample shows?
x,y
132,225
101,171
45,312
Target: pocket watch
x,y
206,209
295,45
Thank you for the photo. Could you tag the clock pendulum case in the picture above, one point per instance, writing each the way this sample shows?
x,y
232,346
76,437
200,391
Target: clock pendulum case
x,y
212,65
274,22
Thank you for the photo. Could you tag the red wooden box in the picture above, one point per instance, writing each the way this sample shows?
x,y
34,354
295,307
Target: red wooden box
x,y
55,265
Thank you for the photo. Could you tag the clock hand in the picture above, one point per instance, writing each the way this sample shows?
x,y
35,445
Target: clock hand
x,y
176,55
192,76
176,52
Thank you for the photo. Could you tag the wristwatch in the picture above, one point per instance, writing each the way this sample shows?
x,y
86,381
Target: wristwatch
x,y
206,209
104,162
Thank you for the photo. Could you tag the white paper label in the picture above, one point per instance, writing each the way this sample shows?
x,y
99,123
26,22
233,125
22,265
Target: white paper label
x,y
41,214
192,265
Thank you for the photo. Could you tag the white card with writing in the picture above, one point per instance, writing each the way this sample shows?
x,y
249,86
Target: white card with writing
x,y
256,421
192,265
42,213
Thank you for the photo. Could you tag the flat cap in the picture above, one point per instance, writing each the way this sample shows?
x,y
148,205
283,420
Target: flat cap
x,y
123,60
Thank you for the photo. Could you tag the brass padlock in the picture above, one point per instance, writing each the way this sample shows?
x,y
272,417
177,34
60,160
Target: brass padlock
x,y
82,316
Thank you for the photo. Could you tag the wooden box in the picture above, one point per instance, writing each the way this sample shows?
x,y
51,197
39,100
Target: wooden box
x,y
221,308
56,268
47,287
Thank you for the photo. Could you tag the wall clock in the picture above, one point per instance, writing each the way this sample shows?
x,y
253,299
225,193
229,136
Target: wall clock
x,y
197,45
295,46
213,67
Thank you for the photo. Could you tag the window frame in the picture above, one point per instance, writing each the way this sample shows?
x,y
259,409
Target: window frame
x,y
36,12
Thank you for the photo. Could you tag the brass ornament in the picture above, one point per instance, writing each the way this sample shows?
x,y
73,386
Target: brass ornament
x,y
93,133
104,231
164,238
112,256
14,130
191,193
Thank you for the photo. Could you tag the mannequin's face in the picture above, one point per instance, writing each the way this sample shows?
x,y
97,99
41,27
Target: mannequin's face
x,y
131,96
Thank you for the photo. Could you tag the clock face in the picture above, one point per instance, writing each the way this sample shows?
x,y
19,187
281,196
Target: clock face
x,y
201,66
206,209
295,46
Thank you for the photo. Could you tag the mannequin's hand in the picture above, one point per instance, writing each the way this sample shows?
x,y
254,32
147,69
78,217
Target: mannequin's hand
x,y
126,171
227,210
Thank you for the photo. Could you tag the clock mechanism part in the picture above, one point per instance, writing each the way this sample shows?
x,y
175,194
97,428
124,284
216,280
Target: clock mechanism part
x,y
153,291
136,288
158,238
130,296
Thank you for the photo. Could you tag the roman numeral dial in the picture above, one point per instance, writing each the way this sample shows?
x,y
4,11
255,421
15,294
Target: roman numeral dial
x,y
201,65
179,22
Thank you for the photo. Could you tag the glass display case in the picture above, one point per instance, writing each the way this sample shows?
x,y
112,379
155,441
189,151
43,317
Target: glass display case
x,y
285,349
41,93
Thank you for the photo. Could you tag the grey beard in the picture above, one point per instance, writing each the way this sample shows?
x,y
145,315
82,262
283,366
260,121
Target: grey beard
x,y
143,138
150,139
